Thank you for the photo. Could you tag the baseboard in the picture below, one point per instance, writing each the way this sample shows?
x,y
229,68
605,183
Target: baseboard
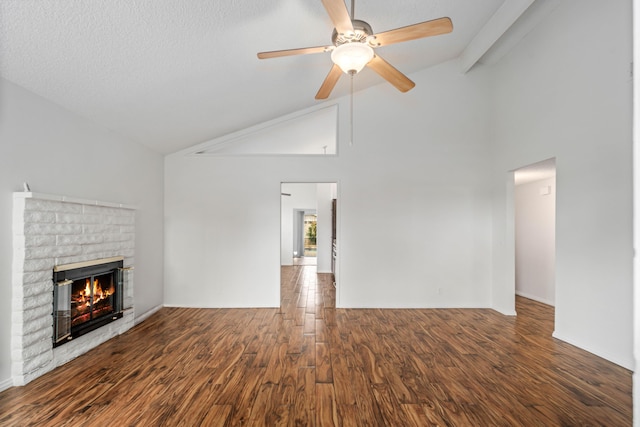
x,y
219,306
146,315
627,364
6,384
505,312
535,298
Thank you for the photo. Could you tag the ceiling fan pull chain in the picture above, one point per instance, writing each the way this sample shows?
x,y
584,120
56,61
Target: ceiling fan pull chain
x,y
351,113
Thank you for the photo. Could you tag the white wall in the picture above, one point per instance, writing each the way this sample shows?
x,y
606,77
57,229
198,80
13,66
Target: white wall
x,y
535,240
324,243
60,153
636,206
565,92
414,201
414,215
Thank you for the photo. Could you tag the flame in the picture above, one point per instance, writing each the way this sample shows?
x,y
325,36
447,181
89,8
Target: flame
x,y
98,292
85,308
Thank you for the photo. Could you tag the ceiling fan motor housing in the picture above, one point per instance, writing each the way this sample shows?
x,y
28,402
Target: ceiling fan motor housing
x,y
362,33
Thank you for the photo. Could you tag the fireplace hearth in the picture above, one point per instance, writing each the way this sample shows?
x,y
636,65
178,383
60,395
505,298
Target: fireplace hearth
x,y
86,296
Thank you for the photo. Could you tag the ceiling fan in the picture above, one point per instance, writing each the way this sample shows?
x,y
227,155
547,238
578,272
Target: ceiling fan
x,y
353,44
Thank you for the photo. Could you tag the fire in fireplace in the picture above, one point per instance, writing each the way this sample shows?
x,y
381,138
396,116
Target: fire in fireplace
x,y
86,296
91,298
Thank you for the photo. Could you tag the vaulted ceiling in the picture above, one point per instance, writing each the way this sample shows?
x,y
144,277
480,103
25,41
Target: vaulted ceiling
x,y
171,74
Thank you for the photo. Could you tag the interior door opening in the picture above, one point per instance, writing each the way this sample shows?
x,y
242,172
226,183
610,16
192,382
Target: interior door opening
x,y
534,229
310,247
305,232
308,225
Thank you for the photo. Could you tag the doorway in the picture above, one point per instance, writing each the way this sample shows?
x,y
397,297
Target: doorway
x,y
310,233
305,237
306,224
534,223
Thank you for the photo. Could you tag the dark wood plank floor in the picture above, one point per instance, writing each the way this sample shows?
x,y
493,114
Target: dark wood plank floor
x,y
308,363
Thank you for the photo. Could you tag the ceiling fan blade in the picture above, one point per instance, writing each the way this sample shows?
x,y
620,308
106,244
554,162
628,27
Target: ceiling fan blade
x,y
329,82
416,31
339,15
391,74
290,52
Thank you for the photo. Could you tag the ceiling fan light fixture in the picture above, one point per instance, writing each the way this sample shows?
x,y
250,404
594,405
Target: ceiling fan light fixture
x,y
352,57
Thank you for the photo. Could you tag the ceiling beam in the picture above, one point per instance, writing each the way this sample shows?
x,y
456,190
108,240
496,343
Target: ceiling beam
x,y
538,11
499,23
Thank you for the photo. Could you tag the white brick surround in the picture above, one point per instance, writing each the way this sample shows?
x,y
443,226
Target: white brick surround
x,y
51,230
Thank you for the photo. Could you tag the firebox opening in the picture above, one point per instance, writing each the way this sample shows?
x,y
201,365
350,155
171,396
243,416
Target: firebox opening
x,y
91,298
86,296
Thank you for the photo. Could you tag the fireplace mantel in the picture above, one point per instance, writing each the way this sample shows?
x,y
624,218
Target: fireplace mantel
x,y
67,199
50,230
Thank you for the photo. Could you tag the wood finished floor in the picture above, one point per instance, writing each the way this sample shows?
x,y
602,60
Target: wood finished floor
x,y
308,363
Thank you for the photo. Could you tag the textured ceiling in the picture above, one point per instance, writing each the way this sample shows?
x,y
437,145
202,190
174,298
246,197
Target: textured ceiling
x,y
171,74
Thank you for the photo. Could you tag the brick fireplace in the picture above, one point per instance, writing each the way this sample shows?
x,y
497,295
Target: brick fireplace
x,y
50,231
